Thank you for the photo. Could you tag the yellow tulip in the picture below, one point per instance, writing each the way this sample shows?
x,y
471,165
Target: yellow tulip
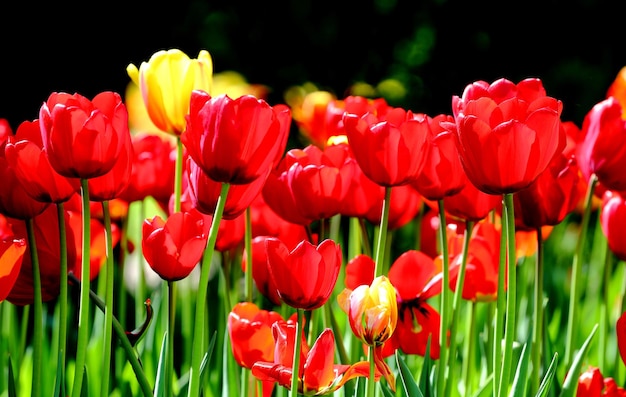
x,y
372,310
166,82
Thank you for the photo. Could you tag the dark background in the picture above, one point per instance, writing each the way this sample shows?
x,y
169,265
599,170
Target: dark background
x,y
435,47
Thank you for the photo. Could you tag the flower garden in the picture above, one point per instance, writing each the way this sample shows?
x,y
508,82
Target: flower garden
x,y
188,238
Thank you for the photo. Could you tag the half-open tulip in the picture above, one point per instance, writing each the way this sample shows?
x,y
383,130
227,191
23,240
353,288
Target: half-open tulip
x,y
174,247
83,138
305,276
612,218
507,133
166,82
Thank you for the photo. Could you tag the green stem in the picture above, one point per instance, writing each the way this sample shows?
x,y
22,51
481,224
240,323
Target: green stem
x,y
537,316
371,380
37,310
171,326
382,236
468,363
60,383
511,295
248,248
500,305
295,374
108,297
572,319
198,334
83,315
178,176
604,308
456,303
445,304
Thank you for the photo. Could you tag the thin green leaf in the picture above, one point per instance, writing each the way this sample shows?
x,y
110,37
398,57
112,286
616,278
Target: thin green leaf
x,y
571,380
424,382
84,390
520,380
386,391
544,387
160,384
359,390
12,392
486,388
408,383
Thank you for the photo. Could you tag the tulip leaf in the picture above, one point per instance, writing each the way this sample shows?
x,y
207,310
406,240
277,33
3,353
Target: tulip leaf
x,y
84,390
160,384
386,391
544,387
359,390
486,388
424,382
571,380
12,392
520,380
408,383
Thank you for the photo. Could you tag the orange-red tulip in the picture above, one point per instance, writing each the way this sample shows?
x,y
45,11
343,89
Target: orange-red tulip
x,y
11,256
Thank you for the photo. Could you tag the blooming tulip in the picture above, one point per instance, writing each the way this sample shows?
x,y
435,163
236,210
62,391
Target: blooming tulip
x,y
305,276
174,247
166,82
235,140
507,133
83,138
612,218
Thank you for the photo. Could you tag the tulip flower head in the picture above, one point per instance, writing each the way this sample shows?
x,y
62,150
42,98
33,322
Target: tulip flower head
x,y
166,82
11,255
372,310
305,276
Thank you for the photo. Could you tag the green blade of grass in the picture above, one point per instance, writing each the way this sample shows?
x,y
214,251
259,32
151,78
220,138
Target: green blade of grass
x,y
408,383
571,380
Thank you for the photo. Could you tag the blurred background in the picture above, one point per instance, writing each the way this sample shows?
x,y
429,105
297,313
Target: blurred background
x,y
416,54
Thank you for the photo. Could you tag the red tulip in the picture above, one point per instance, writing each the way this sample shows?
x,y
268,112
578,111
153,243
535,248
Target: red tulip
x,y
174,247
507,133
305,276
553,195
266,222
11,256
152,174
318,375
109,186
590,383
235,140
597,152
612,221
443,174
260,272
391,149
24,152
620,331
83,138
404,204
471,204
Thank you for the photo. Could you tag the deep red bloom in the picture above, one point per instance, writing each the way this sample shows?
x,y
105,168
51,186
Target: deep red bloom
x,y
598,152
317,375
152,174
83,138
471,204
109,186
204,192
235,140
391,149
443,174
590,383
507,133
174,247
620,331
310,184
305,276
260,272
266,222
24,152
11,256
553,195
612,221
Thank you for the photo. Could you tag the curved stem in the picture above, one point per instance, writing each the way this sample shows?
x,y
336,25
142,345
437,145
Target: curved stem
x,y
60,382
445,305
198,334
108,298
37,312
572,319
83,315
295,374
382,236
511,295
537,316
